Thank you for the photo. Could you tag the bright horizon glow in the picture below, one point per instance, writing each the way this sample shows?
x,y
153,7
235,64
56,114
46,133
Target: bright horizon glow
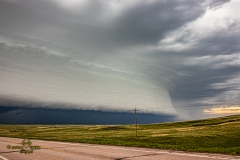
x,y
223,110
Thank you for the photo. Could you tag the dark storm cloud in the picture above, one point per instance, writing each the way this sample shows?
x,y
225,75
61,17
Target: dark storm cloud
x,y
199,85
147,23
221,43
120,54
17,115
140,24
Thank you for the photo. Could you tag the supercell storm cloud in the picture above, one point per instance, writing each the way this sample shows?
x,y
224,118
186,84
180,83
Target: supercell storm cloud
x,y
177,57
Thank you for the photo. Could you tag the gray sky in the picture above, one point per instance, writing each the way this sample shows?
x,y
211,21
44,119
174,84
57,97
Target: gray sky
x,y
176,58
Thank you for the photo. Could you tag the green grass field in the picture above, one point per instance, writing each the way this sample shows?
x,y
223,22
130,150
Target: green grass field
x,y
218,135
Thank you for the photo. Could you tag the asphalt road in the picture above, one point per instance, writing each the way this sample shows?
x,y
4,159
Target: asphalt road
x,y
78,151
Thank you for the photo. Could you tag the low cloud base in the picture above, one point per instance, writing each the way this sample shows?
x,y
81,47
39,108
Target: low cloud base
x,y
18,115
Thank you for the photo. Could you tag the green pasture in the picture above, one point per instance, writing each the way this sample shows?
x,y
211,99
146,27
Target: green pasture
x,y
218,135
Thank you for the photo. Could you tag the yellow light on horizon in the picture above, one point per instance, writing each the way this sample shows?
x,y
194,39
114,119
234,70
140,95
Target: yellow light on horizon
x,y
223,110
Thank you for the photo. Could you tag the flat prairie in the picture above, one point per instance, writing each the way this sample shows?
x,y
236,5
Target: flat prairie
x,y
216,135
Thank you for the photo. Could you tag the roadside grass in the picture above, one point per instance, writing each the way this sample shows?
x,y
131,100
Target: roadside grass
x,y
217,135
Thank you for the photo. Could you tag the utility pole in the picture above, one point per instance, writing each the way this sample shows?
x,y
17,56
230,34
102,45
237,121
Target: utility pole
x,y
135,116
53,131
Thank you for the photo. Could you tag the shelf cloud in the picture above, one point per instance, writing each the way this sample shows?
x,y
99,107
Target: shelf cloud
x,y
177,58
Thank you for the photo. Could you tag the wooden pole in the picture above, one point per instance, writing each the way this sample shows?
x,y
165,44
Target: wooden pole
x,y
135,116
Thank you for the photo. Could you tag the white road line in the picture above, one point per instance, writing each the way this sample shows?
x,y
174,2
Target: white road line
x,y
3,158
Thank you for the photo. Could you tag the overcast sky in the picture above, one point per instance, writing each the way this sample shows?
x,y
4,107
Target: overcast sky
x,y
174,58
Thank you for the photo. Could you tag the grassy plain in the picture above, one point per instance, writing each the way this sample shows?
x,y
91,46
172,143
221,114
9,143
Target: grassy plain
x,y
218,135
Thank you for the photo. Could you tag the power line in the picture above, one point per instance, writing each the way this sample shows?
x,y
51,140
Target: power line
x,y
183,108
